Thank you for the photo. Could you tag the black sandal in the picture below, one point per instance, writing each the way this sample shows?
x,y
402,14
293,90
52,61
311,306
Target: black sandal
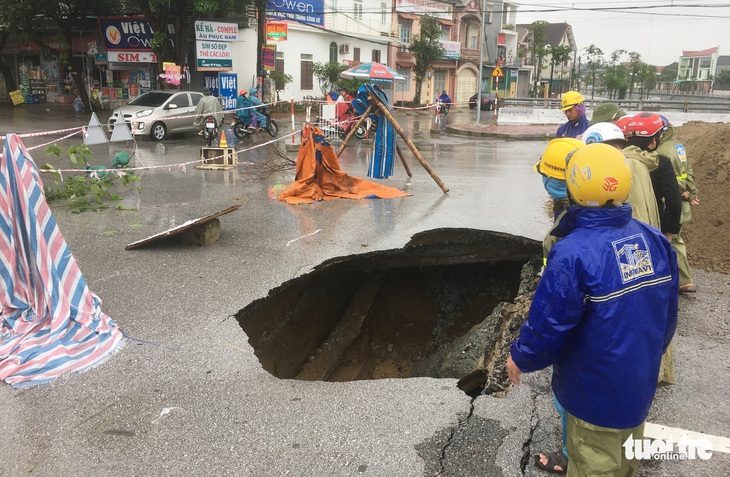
x,y
555,459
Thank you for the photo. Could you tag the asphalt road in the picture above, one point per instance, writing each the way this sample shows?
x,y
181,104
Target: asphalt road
x,y
186,394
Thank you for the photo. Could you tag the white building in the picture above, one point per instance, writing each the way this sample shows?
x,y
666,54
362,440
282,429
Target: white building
x,y
322,31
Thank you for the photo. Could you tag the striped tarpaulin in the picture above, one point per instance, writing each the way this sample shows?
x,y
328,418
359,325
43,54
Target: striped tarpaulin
x,y
51,323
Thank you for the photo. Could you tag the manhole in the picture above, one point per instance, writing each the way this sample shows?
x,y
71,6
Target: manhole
x,y
433,308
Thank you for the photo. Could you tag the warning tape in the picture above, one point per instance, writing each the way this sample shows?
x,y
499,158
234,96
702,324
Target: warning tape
x,y
182,165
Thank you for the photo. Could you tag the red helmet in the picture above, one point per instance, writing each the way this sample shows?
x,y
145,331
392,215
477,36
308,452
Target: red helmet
x,y
641,125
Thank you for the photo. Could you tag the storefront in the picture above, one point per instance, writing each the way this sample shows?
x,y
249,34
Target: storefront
x,y
122,76
38,73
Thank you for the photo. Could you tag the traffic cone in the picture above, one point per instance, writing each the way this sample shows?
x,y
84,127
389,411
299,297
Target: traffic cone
x,y
222,142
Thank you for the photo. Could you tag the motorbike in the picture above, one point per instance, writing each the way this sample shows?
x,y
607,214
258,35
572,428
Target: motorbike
x,y
443,108
242,131
344,123
210,130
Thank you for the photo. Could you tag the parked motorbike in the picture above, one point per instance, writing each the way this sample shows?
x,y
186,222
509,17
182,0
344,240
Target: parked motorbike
x,y
241,126
342,126
210,130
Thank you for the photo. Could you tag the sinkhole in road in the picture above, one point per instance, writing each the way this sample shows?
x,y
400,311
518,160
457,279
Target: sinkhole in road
x,y
432,308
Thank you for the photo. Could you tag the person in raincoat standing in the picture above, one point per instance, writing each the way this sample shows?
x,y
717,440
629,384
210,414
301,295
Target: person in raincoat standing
x,y
606,306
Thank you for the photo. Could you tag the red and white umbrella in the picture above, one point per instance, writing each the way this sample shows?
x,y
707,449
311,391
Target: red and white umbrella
x,y
373,72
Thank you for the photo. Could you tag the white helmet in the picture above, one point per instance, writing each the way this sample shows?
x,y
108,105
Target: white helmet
x,y
603,132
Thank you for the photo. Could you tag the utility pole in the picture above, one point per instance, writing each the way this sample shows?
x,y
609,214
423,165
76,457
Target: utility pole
x,y
481,63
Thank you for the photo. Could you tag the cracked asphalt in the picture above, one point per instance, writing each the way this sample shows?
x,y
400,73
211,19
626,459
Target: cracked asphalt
x,y
186,395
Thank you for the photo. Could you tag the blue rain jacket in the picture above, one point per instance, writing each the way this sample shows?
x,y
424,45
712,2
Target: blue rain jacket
x,y
603,313
573,128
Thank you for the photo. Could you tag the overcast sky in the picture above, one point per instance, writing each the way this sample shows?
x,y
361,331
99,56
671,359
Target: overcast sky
x,y
658,34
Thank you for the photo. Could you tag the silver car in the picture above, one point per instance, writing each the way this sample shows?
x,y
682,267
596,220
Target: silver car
x,y
157,113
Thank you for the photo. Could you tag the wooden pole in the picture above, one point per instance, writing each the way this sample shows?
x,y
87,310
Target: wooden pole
x,y
403,160
354,130
374,100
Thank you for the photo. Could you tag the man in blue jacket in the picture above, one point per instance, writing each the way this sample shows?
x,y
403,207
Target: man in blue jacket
x,y
575,111
603,313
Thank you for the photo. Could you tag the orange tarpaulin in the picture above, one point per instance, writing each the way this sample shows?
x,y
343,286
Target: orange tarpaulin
x,y
319,176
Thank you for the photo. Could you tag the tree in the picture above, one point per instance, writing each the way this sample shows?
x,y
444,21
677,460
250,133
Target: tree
x,y
636,66
595,60
328,75
281,80
538,50
669,73
558,55
426,50
615,76
723,80
647,79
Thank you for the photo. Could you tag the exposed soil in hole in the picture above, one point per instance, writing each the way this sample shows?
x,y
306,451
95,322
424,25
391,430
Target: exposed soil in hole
x,y
441,307
708,233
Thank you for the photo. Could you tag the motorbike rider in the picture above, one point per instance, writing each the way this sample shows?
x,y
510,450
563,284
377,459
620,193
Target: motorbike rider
x,y
207,106
445,100
257,102
244,109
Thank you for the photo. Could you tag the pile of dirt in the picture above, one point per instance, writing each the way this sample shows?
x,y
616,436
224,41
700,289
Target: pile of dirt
x,y
708,233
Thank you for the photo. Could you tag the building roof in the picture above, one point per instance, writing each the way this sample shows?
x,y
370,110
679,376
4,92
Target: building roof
x,y
706,52
554,32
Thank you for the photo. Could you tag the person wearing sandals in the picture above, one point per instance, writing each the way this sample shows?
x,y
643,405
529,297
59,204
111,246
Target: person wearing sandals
x,y
603,313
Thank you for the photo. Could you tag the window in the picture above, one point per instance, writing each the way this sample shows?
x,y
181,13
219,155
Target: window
x,y
376,56
404,85
358,10
181,100
333,52
439,83
307,73
383,13
445,33
404,28
356,55
279,66
472,36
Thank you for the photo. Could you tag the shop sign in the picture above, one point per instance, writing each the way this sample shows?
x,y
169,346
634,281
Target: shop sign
x,y
268,57
228,90
301,11
216,31
424,7
16,97
452,49
130,33
131,57
214,55
276,31
100,58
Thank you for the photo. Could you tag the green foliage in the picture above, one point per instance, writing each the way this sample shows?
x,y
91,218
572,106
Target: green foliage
x,y
426,50
723,80
85,192
538,49
328,75
669,72
281,80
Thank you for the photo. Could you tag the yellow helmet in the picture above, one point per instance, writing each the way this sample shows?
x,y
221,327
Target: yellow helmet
x,y
570,99
552,162
598,175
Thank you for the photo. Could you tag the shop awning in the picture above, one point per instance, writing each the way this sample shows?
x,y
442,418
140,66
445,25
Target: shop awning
x,y
446,22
